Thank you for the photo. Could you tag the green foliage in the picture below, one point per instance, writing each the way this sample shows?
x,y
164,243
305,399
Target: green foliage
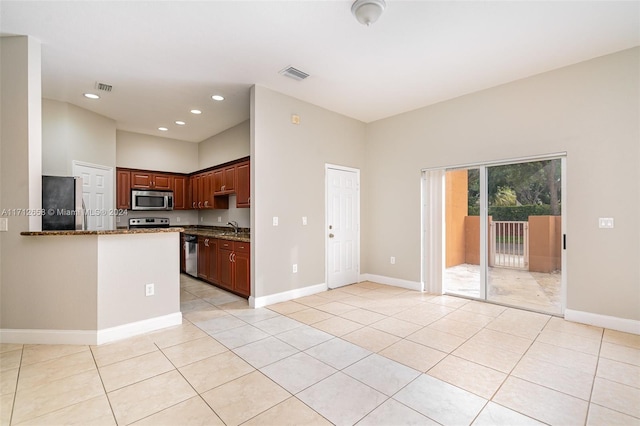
x,y
504,197
515,213
532,183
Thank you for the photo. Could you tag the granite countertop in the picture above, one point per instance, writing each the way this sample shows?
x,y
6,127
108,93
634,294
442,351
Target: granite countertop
x,y
112,232
218,232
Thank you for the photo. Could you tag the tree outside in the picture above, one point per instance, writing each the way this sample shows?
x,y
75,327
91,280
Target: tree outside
x,y
520,190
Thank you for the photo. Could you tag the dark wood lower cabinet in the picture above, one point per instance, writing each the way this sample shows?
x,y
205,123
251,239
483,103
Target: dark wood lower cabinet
x,y
225,254
207,259
226,264
234,264
242,266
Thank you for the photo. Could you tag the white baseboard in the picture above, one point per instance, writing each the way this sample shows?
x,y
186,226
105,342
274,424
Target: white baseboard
x,y
259,302
396,282
613,323
88,337
140,327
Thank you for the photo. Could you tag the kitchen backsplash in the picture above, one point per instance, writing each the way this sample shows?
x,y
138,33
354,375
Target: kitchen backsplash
x,y
195,217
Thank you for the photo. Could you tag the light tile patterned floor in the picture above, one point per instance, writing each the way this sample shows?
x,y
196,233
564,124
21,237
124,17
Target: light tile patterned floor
x,y
366,354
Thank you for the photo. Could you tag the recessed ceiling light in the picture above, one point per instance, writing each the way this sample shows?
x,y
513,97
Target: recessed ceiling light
x,y
217,98
91,96
180,123
162,129
196,111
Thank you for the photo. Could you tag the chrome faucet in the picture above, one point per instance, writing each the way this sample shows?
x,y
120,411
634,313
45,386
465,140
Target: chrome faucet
x,y
235,225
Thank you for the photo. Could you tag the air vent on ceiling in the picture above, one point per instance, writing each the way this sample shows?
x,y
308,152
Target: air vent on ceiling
x,y
104,87
294,73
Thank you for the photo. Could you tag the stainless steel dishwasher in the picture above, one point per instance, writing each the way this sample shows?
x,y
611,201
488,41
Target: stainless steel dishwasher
x,y
191,255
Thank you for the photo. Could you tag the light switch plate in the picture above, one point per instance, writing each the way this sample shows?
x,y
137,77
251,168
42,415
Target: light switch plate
x,y
304,220
605,222
275,221
4,224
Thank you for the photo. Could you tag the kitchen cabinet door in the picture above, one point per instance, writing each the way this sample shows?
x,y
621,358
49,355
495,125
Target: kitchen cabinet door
x,y
229,179
243,182
123,189
212,260
207,191
242,268
141,180
162,181
225,265
180,193
203,258
224,180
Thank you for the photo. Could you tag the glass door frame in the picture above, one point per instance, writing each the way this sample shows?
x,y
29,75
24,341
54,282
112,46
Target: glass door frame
x,y
433,214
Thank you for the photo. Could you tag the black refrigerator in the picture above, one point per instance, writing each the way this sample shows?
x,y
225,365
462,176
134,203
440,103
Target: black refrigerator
x,y
62,205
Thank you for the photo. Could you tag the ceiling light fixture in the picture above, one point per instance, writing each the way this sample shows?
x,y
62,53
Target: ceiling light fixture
x,y
217,98
91,96
162,129
196,111
367,11
180,123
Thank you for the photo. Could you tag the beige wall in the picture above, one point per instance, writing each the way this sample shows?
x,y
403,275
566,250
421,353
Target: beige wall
x,y
288,181
142,259
226,146
138,151
71,133
590,110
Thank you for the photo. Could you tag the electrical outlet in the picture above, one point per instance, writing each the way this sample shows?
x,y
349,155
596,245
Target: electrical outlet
x,y
219,218
149,289
201,219
392,260
4,224
178,219
304,220
275,221
605,222
117,219
295,268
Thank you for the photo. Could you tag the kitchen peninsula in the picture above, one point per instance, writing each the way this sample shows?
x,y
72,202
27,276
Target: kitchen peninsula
x,y
95,285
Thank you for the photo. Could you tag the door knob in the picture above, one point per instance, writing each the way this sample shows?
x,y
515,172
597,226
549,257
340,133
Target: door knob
x,y
331,235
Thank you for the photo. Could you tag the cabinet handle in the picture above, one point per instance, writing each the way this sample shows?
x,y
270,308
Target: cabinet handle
x,y
234,257
199,204
206,242
194,204
230,257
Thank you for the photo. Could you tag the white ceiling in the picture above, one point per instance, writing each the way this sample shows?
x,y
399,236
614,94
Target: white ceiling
x,y
164,58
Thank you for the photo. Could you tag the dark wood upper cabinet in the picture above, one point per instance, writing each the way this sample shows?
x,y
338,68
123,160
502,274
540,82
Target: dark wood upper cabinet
x,y
224,180
205,190
123,189
243,184
149,180
181,193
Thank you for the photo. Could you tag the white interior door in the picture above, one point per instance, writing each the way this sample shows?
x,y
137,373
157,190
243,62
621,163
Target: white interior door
x,y
97,193
342,226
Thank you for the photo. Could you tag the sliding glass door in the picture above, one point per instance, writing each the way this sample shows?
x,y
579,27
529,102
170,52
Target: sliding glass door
x,y
503,230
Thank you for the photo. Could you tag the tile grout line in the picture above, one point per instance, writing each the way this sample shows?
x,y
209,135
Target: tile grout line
x,y
106,394
15,393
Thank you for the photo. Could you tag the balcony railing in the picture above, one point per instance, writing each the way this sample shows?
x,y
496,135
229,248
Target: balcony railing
x,y
509,244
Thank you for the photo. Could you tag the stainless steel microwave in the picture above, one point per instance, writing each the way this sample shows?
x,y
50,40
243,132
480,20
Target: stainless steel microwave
x,y
151,200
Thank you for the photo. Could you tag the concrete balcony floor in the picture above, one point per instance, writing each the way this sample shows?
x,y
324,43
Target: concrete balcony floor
x,y
513,287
